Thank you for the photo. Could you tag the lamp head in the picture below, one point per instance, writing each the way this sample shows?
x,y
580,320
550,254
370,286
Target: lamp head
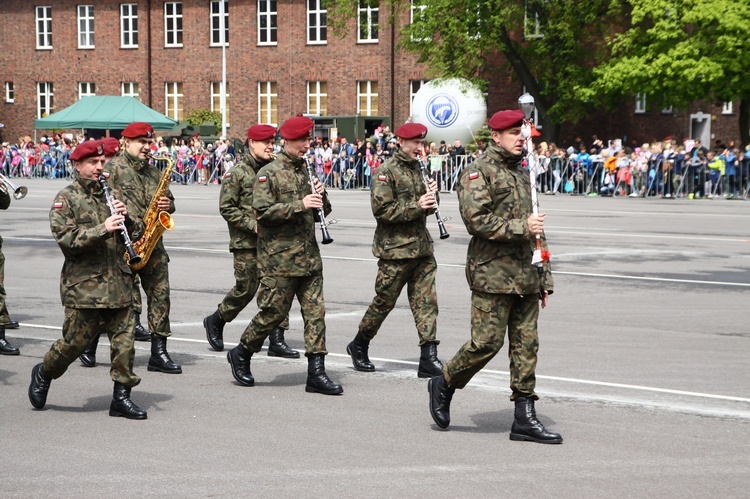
x,y
526,105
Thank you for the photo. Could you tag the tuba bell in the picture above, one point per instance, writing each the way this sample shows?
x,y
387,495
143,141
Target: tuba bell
x,y
19,192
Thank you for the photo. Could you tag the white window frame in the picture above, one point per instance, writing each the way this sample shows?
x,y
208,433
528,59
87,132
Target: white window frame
x,y
44,90
421,6
174,100
528,22
372,15
129,25
215,14
86,89
266,93
85,26
10,92
667,110
413,92
317,93
271,16
130,89
173,24
317,22
43,27
640,103
364,91
216,98
727,107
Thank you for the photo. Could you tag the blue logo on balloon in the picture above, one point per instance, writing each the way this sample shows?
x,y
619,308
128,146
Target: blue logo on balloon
x,y
442,110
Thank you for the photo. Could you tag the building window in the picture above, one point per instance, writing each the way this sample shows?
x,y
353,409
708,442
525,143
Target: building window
x,y
727,107
44,27
418,8
86,89
640,103
367,22
216,98
173,24
130,89
45,99
367,98
267,22
85,26
10,94
414,86
667,110
317,98
129,25
216,15
317,30
531,26
175,100
268,103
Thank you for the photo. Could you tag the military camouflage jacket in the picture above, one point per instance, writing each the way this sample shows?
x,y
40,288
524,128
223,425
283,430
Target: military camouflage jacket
x,y
236,203
4,204
286,229
94,274
402,224
494,198
137,181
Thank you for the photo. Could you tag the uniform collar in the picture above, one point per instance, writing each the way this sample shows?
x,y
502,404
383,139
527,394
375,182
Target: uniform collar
x,y
135,162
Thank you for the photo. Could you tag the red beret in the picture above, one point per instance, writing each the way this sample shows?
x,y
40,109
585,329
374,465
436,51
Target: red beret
x,y
295,128
261,132
87,149
506,119
411,131
111,146
138,129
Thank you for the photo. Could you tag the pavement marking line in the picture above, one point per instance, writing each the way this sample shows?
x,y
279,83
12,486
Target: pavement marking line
x,y
484,371
291,319
631,235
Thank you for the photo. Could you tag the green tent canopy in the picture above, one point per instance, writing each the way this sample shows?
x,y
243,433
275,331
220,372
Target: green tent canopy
x,y
104,112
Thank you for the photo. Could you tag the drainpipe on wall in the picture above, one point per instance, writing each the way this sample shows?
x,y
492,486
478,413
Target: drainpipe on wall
x,y
393,77
148,57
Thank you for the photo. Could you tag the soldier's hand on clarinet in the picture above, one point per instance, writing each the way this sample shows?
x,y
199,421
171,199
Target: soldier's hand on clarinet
x,y
536,224
319,187
433,186
120,207
427,201
313,201
114,223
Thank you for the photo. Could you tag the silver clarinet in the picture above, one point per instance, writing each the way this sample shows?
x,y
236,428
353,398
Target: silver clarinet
x,y
327,239
134,258
440,220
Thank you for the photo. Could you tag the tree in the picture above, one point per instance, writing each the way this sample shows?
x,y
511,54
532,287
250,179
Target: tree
x,y
549,44
200,116
680,51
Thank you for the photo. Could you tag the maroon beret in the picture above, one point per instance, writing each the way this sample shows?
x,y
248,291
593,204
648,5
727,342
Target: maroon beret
x,y
138,129
506,119
111,146
87,149
295,128
261,132
411,131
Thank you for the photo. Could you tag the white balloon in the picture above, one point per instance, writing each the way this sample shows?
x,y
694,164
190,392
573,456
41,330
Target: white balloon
x,y
450,108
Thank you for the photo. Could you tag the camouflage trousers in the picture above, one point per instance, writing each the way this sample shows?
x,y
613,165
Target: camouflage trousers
x,y
80,328
491,315
418,275
4,317
246,285
275,300
154,278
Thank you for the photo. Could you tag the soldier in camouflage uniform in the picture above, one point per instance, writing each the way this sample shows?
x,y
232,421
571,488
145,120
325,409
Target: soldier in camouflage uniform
x,y
5,322
138,181
400,203
236,206
96,285
494,195
289,259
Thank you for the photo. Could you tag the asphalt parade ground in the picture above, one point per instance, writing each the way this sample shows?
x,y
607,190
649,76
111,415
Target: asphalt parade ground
x,y
644,368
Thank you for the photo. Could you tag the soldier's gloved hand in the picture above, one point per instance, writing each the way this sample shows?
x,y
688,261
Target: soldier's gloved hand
x,y
427,201
313,201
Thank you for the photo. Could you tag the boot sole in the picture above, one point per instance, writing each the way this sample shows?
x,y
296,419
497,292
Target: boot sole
x,y
87,364
142,338
310,389
294,355
239,380
526,438
423,374
165,371
356,367
218,348
14,352
116,414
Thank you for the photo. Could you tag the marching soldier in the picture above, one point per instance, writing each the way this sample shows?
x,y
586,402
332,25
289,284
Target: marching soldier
x,y
288,258
236,206
400,203
96,285
5,322
138,181
494,195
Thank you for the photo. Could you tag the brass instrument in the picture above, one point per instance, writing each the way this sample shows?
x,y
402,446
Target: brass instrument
x,y
19,192
327,239
156,221
440,220
133,257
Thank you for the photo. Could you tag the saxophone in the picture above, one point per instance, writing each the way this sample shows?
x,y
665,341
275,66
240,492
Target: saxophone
x,y
156,221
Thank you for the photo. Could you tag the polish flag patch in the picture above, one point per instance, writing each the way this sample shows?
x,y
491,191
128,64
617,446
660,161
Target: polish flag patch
x,y
262,178
382,177
227,174
57,205
473,175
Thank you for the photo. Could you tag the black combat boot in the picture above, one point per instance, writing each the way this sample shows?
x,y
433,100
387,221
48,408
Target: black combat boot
x,y
358,348
5,347
317,379
214,325
239,359
88,357
39,386
440,400
141,333
527,427
11,325
122,405
159,360
277,347
429,364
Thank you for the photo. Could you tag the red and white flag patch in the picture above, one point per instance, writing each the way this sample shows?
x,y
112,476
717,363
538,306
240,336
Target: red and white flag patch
x,y
473,175
262,178
227,174
382,177
57,205
105,174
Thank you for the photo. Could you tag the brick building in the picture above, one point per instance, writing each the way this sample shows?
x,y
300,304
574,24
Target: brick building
x,y
280,58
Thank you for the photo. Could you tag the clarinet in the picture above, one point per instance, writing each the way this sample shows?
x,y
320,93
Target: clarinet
x,y
133,256
327,239
440,220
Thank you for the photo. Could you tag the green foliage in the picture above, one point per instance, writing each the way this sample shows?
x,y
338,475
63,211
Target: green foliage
x,y
200,116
